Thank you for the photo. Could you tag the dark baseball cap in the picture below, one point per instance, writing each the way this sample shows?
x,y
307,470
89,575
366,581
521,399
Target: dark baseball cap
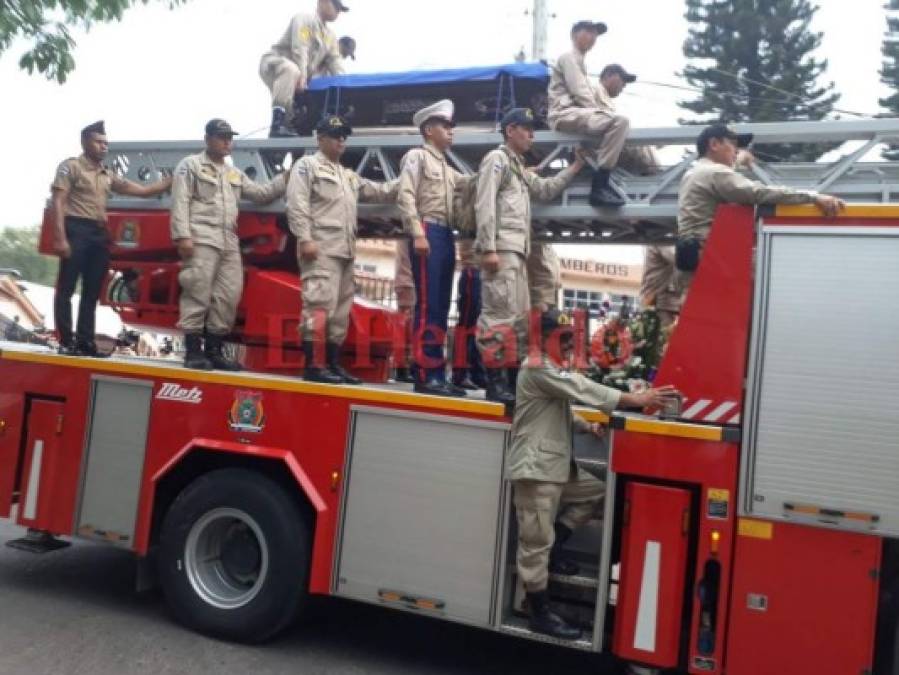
x,y
218,127
554,319
340,6
617,69
95,128
720,131
334,126
520,116
597,27
348,45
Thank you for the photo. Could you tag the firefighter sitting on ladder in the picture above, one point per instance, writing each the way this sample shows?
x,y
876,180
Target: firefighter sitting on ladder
x,y
552,496
206,195
322,214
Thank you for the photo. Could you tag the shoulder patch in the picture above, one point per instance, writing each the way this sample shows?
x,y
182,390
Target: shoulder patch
x,y
64,169
305,34
234,175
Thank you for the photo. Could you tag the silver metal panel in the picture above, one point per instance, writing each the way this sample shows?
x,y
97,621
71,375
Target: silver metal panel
x,y
822,427
421,512
114,459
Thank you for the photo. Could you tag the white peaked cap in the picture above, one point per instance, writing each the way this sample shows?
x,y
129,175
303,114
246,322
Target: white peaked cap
x,y
443,109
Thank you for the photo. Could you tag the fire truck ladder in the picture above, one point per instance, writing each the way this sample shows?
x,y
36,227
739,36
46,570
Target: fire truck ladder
x,y
648,216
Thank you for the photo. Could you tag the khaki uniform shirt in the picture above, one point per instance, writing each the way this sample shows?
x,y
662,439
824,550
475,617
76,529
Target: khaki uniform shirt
x,y
708,184
569,86
206,197
544,422
87,187
322,203
427,184
503,203
310,44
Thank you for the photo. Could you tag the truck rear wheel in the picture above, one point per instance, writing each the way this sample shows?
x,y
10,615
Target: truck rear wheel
x,y
234,556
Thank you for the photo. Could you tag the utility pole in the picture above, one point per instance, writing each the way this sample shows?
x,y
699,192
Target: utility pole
x,y
541,29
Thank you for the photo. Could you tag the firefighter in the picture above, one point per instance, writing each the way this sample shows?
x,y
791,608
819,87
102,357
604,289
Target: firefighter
x,y
503,211
544,276
321,213
205,203
80,190
659,285
404,285
575,107
713,181
307,49
552,496
468,369
425,201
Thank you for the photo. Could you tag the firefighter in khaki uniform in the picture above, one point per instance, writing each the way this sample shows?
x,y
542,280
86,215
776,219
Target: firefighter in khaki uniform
x,y
321,213
574,108
425,201
468,369
552,496
544,276
713,181
80,190
205,202
307,49
503,211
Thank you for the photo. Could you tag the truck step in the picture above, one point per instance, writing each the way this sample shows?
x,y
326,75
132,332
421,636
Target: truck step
x,y
38,541
585,579
518,627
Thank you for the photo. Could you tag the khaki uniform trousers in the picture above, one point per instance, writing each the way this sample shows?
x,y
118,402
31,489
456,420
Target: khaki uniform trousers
x,y
211,285
329,287
544,275
612,129
538,505
280,76
505,303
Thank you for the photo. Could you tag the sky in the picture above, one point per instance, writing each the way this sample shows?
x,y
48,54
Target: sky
x,y
160,74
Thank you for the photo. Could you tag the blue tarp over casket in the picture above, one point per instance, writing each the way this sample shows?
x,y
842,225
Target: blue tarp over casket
x,y
481,94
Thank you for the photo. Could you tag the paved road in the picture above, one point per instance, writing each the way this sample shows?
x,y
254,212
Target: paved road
x,y
74,612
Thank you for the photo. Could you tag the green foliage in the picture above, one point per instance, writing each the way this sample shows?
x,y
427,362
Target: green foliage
x,y
753,61
46,25
18,251
889,72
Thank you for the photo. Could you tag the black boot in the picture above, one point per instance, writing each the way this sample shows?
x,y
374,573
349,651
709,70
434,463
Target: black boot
x,y
601,194
558,564
313,373
89,348
194,358
403,375
544,620
497,389
216,356
333,354
279,128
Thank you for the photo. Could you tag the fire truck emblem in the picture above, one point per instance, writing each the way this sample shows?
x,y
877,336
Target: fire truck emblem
x,y
129,234
247,413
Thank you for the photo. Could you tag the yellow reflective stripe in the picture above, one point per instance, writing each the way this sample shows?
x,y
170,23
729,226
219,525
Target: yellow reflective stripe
x,y
678,429
592,415
268,383
851,211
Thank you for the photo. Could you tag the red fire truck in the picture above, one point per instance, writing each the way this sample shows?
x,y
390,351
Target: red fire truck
x,y
752,534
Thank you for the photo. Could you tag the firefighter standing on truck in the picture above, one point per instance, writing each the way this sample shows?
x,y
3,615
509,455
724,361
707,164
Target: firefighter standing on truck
x,y
307,49
80,190
552,496
205,202
503,211
713,181
425,201
322,213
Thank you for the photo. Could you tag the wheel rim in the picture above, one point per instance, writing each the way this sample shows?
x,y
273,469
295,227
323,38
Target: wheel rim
x,y
226,558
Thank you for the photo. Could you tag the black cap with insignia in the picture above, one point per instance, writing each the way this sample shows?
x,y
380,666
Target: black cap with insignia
x,y
95,128
521,116
720,131
554,319
219,127
334,126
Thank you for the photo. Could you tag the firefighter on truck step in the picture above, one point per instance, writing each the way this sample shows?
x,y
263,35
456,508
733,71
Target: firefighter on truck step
x,y
322,213
503,212
552,496
80,191
205,203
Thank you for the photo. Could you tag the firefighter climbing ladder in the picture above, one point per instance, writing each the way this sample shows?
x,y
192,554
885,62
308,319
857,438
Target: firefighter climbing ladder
x,y
650,211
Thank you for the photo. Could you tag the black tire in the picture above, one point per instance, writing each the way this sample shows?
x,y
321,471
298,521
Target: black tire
x,y
258,583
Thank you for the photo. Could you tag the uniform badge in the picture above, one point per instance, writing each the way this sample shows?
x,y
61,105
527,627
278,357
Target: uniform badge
x,y
305,34
64,170
234,177
247,413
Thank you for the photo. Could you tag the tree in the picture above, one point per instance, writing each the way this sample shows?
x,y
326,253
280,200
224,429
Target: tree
x,y
889,72
18,251
753,61
46,25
